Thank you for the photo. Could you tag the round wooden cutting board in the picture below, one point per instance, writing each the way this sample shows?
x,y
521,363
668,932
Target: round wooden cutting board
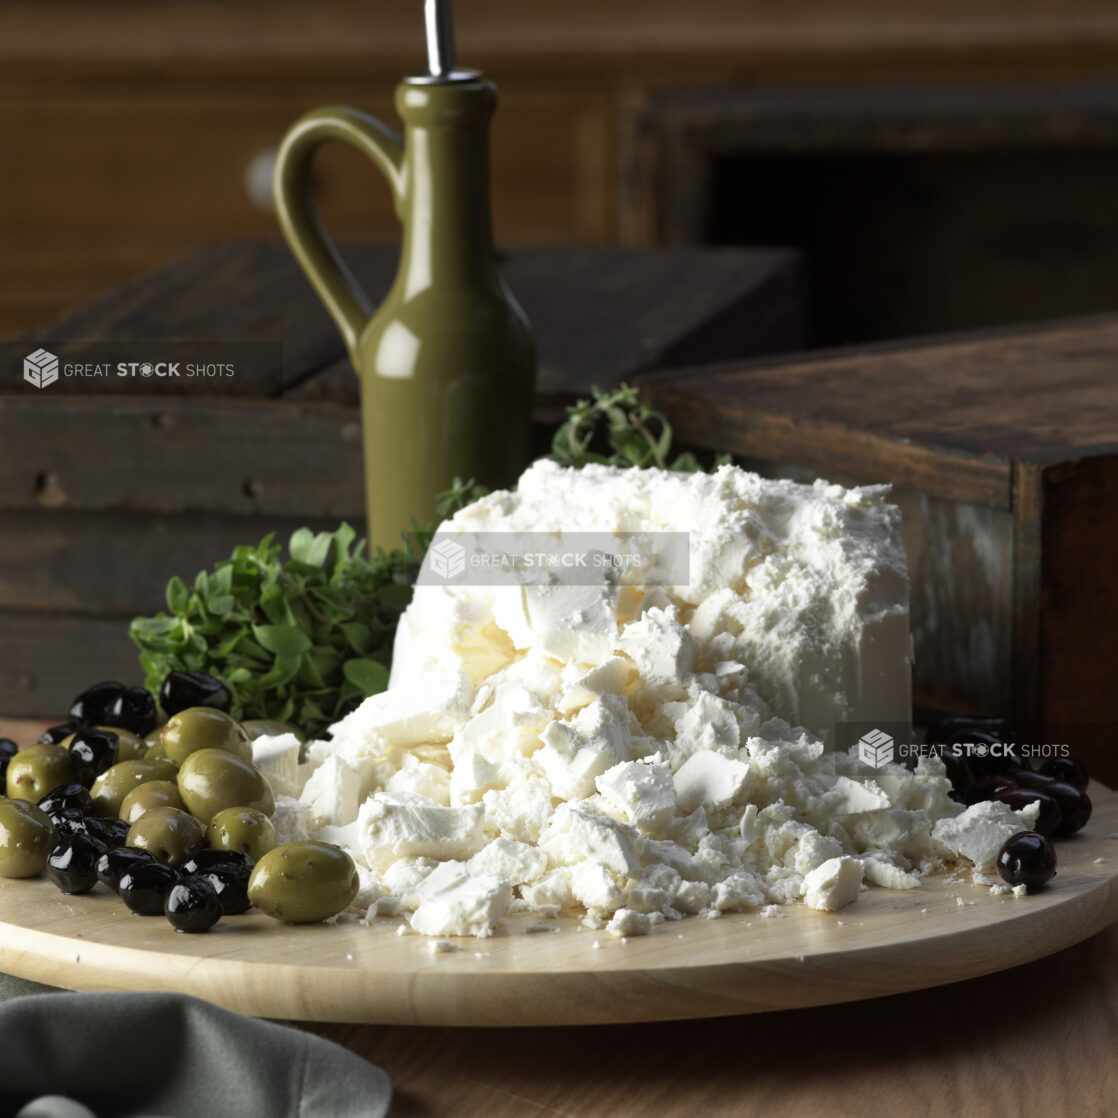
x,y
560,973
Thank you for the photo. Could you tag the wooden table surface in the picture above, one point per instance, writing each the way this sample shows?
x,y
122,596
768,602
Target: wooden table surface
x,y
1037,1040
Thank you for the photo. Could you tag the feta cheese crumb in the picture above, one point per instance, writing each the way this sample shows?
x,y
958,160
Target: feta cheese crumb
x,y
463,906
833,885
442,946
627,922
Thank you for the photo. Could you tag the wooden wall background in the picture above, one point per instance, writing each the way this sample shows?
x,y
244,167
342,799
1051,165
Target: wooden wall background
x,y
127,128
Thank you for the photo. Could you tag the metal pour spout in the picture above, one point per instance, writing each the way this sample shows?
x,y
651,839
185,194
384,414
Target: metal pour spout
x,y
441,62
440,37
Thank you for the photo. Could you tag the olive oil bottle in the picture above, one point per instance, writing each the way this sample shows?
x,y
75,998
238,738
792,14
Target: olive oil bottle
x,y
447,362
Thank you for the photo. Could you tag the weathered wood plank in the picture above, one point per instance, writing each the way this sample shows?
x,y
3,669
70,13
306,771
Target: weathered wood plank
x,y
1043,394
47,659
722,411
118,564
253,458
1079,607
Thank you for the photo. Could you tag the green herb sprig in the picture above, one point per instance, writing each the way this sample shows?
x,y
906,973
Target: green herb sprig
x,y
633,431
300,641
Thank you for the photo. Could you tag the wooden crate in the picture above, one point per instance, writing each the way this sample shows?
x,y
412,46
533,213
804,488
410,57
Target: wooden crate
x,y
104,495
1003,452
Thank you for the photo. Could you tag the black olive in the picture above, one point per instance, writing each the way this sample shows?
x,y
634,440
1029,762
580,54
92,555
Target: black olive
x,y
92,706
72,864
982,734
67,797
988,788
192,905
55,734
92,752
181,690
67,821
1050,818
1075,807
8,749
111,832
947,731
1027,859
1026,778
114,864
1067,769
230,883
144,886
133,710
957,771
209,859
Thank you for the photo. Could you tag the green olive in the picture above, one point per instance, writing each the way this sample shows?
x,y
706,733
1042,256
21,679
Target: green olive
x,y
26,838
129,746
204,728
155,737
37,770
212,780
243,829
171,835
158,753
110,788
153,793
267,728
303,882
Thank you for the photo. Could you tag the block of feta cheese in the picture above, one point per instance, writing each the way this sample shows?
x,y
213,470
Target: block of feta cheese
x,y
808,582
642,752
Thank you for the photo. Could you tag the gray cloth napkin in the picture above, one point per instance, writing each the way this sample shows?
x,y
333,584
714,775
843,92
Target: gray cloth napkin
x,y
114,1055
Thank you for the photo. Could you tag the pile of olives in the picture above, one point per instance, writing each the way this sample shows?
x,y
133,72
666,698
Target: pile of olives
x,y
1059,787
162,805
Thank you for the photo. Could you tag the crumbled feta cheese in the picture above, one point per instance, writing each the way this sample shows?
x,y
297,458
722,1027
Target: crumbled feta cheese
x,y
710,780
394,827
463,906
643,790
516,862
331,794
641,751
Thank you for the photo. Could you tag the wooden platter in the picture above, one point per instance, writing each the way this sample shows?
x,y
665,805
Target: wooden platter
x,y
564,974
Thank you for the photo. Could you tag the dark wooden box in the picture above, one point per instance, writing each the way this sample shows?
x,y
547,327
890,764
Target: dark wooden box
x,y
1003,452
106,493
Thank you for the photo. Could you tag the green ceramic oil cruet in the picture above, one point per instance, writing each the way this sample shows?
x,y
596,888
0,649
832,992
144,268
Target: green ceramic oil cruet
x,y
447,362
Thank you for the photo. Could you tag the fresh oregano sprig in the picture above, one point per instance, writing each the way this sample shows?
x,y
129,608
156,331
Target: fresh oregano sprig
x,y
632,431
300,640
